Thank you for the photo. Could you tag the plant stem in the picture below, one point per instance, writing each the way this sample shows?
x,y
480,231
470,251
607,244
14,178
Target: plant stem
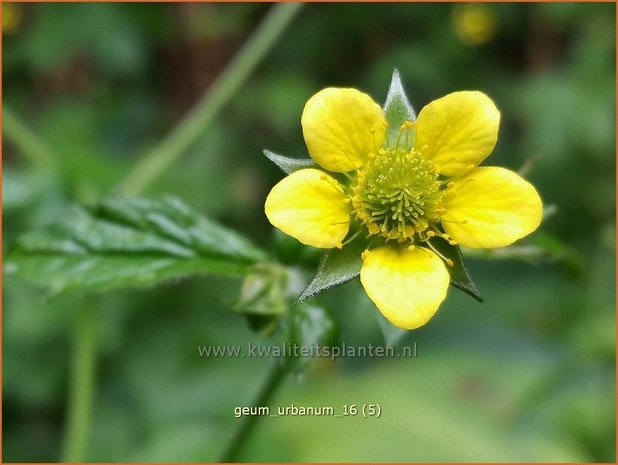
x,y
26,140
193,124
81,384
248,423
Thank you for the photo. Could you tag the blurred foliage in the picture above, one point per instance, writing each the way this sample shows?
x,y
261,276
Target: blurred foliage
x,y
527,376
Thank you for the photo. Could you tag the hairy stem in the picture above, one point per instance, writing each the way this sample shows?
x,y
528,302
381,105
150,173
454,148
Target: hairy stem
x,y
81,384
26,141
248,423
194,123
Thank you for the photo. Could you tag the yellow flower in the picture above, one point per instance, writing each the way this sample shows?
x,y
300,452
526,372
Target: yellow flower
x,y
475,23
402,195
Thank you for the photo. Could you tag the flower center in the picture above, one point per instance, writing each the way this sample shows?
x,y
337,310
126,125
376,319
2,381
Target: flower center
x,y
398,194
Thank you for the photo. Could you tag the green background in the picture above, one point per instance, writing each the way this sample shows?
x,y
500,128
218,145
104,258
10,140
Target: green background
x,y
527,376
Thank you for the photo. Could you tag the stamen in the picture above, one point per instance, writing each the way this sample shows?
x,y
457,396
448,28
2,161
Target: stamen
x,y
347,241
348,157
373,139
408,126
444,220
448,261
398,192
333,183
348,176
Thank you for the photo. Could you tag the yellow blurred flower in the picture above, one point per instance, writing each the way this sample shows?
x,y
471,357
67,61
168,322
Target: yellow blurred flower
x,y
12,16
475,23
401,195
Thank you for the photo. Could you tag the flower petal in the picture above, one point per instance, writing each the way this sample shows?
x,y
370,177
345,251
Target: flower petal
x,y
491,207
457,131
341,127
407,286
310,206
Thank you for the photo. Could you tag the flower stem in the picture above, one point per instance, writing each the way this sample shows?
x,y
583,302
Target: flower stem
x,y
193,125
81,385
26,141
248,423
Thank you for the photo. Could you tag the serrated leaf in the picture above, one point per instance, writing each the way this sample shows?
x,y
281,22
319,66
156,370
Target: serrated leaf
x,y
338,266
123,243
289,165
458,272
397,108
542,248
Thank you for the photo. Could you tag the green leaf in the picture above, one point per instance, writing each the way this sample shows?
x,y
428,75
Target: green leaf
x,y
459,275
397,108
337,266
123,243
541,248
289,165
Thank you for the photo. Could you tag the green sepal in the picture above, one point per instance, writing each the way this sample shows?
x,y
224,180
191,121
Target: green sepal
x,y
338,266
460,278
397,109
289,165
